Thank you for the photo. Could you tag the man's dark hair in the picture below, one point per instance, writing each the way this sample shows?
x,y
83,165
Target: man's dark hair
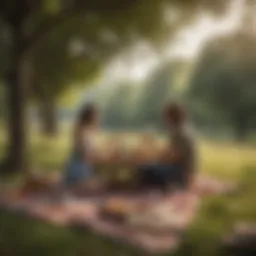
x,y
175,112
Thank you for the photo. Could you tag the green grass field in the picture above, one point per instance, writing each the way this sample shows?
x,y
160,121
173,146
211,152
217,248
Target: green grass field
x,y
19,236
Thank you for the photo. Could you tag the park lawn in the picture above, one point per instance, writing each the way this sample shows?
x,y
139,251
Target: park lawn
x,y
19,236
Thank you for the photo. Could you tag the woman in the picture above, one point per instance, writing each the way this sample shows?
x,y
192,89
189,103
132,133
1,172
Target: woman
x,y
81,164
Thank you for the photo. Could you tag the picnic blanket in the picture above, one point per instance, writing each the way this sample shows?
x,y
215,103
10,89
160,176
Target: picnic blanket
x,y
156,226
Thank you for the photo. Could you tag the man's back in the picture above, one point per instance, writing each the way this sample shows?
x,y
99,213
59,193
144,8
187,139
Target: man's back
x,y
183,146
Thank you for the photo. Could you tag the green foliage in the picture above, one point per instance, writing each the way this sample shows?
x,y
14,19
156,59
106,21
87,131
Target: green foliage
x,y
52,6
51,24
137,106
53,75
119,109
224,81
102,28
155,95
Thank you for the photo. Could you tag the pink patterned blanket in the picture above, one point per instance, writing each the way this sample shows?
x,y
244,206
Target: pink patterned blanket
x,y
155,225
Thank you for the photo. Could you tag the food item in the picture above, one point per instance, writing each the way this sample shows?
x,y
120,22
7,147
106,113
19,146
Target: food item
x,y
117,210
34,186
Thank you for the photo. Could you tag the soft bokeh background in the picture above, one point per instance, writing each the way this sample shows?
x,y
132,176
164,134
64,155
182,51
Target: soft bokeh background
x,y
129,58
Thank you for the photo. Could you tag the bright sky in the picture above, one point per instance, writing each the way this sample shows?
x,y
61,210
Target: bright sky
x,y
191,40
137,64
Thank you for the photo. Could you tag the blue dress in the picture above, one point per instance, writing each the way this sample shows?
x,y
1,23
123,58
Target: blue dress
x,y
78,170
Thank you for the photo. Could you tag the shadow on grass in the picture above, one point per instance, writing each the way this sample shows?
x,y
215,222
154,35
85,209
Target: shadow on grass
x,y
20,236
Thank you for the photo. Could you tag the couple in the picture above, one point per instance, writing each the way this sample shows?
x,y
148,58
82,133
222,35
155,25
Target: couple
x,y
177,167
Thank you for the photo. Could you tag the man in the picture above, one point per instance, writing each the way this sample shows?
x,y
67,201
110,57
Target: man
x,y
177,166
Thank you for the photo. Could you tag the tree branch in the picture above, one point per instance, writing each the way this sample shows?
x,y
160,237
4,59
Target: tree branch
x,y
42,32
67,14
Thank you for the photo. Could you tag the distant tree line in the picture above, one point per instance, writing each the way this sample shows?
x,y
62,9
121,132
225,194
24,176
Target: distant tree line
x,y
220,95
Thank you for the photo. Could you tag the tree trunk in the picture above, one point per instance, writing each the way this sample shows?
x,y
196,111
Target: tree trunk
x,y
18,83
48,117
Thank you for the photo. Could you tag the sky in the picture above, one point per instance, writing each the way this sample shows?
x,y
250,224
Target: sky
x,y
136,64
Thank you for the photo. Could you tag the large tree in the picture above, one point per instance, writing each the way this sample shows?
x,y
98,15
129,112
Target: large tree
x,y
225,81
53,76
30,22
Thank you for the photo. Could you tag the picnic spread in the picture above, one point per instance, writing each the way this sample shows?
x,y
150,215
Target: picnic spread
x,y
149,220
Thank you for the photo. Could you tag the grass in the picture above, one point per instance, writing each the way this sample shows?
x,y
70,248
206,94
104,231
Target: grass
x,y
19,236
